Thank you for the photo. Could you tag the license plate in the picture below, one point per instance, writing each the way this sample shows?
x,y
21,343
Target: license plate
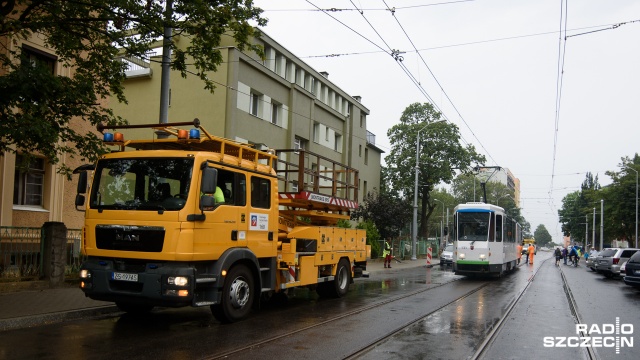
x,y
124,276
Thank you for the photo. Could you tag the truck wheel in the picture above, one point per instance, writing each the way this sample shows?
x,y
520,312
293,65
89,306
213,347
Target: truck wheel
x,y
134,308
237,296
340,285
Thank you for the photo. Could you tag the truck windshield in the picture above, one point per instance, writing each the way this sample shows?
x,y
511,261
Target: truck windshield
x,y
473,226
141,184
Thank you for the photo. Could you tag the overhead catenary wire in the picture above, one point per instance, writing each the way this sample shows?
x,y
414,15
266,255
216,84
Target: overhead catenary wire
x,y
562,44
438,82
394,53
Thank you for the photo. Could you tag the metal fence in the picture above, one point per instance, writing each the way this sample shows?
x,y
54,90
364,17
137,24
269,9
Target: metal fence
x,y
401,248
21,251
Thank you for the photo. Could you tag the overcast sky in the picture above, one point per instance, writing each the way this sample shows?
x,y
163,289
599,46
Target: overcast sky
x,y
492,67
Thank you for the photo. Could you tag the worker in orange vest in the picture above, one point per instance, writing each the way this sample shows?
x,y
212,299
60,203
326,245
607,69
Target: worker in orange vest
x,y
519,254
531,253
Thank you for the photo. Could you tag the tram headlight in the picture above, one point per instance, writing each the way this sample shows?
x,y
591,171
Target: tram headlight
x,y
483,256
461,256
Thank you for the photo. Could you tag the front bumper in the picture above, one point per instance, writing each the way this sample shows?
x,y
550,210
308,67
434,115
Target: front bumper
x,y
152,286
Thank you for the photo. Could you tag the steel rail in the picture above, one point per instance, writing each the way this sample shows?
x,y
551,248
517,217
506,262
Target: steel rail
x,y
374,306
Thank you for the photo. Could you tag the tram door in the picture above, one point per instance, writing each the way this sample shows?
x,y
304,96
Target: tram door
x,y
500,237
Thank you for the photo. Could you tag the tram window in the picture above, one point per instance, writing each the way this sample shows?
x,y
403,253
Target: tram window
x,y
499,228
473,226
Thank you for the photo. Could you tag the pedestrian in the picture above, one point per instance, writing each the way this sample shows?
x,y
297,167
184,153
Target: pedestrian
x,y
532,250
564,254
519,249
386,253
558,255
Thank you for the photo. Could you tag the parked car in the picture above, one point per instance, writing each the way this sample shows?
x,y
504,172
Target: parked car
x,y
610,260
632,270
446,258
591,262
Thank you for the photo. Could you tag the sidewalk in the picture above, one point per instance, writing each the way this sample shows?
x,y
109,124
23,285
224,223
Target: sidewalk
x,y
38,304
34,303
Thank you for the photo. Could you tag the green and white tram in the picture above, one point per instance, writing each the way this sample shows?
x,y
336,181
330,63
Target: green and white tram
x,y
485,240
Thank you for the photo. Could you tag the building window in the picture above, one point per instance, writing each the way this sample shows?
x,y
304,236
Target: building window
x,y
254,105
28,186
337,146
298,144
326,133
366,156
37,58
276,113
360,150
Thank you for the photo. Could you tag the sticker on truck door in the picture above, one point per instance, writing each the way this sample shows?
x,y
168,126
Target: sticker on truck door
x,y
259,222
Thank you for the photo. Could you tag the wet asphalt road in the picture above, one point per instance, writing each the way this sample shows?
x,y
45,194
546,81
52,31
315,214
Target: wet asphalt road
x,y
414,302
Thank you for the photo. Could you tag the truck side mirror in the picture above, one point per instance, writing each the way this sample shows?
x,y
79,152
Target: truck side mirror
x,y
209,180
82,182
79,201
82,189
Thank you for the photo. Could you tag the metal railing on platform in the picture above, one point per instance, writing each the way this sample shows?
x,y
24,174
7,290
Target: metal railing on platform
x,y
21,251
402,248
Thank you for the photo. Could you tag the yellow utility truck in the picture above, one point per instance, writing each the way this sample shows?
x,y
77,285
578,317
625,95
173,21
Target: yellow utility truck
x,y
191,219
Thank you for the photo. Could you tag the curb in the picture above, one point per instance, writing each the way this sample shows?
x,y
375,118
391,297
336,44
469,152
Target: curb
x,y
56,317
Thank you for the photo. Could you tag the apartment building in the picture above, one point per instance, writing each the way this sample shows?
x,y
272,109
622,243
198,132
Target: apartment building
x,y
38,195
505,177
279,102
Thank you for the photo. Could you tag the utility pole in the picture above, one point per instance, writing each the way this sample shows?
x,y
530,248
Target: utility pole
x,y
594,230
165,77
601,221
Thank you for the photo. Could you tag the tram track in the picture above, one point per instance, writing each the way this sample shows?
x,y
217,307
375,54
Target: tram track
x,y
362,351
346,315
490,338
375,343
574,311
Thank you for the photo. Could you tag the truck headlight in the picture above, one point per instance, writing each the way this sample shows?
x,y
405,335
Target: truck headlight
x,y
85,274
178,280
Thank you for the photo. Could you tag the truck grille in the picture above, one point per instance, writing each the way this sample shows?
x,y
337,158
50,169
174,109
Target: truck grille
x,y
130,238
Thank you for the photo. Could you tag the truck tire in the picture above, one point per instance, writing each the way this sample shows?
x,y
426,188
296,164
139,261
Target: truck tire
x,y
340,284
134,309
237,296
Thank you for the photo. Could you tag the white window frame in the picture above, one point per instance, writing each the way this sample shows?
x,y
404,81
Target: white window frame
x,y
254,104
29,185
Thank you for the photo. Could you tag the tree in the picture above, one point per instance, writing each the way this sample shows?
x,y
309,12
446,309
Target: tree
x,y
466,188
542,236
440,155
621,218
389,213
86,38
577,206
372,237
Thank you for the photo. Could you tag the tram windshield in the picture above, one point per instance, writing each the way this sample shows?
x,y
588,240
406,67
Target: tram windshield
x,y
473,226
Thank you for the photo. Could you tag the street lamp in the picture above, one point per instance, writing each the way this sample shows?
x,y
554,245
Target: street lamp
x,y
498,199
441,223
601,222
636,204
415,194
